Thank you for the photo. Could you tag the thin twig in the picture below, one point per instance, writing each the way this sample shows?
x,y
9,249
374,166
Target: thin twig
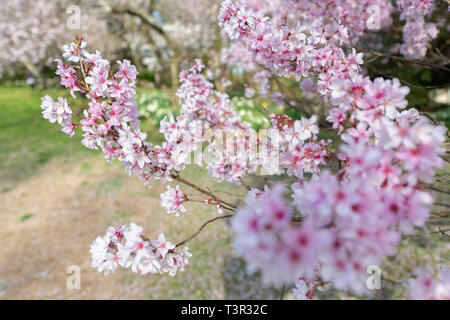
x,y
283,289
196,233
203,201
438,190
244,184
388,279
442,204
423,63
190,184
441,231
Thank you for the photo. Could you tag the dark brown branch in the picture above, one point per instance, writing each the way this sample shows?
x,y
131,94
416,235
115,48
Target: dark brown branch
x,y
283,289
441,231
442,204
303,110
388,279
409,84
203,201
438,190
144,16
134,10
422,63
196,233
206,192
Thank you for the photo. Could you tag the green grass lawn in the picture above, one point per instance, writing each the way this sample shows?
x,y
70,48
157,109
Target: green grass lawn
x,y
26,139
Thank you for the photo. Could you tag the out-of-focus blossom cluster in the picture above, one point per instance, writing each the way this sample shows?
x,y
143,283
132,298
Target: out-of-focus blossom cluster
x,y
427,287
353,219
268,239
342,226
32,33
417,33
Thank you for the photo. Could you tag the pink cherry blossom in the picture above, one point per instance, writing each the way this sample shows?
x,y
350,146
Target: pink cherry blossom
x,y
125,246
427,287
173,200
126,70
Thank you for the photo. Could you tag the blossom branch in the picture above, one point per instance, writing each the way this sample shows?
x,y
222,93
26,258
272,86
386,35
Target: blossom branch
x,y
196,233
406,60
190,184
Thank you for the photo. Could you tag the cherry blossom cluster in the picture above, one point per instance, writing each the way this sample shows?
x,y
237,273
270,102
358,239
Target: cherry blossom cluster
x,y
301,51
58,111
299,150
360,221
173,200
406,142
372,104
427,287
111,120
110,123
417,33
125,246
66,73
355,15
206,114
264,236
